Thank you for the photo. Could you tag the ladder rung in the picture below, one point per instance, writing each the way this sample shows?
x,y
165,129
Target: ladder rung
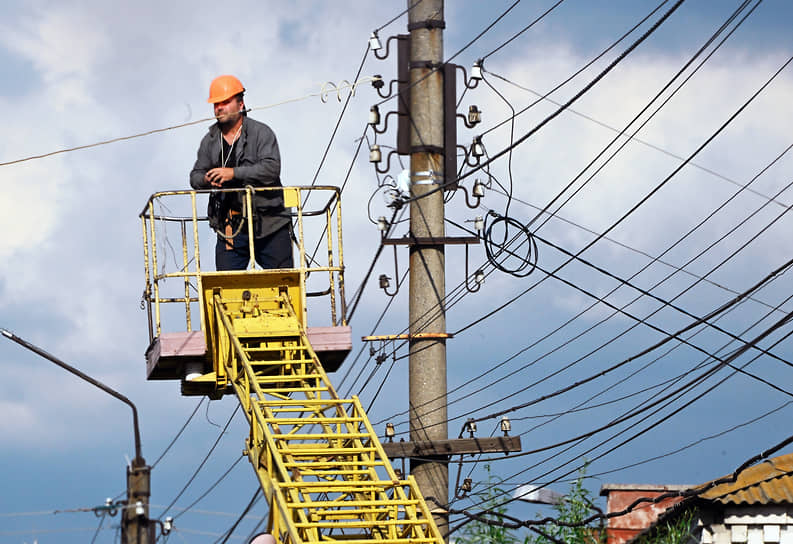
x,y
293,335
360,524
295,405
287,379
356,486
254,351
322,451
318,455
318,436
318,473
322,464
341,515
313,420
272,356
354,513
378,504
297,344
292,389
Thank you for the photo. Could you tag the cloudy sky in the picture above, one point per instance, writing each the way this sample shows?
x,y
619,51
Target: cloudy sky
x,y
76,73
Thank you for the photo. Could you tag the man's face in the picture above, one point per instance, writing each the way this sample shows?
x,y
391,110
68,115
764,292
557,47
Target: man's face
x,y
228,111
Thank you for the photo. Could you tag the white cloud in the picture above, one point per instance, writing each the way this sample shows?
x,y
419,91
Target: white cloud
x,y
17,419
73,270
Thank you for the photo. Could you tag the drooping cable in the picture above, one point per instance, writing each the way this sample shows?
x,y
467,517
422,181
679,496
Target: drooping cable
x,y
203,462
658,95
708,317
521,31
627,51
321,93
646,197
244,513
398,15
733,356
633,138
178,434
579,94
209,489
583,68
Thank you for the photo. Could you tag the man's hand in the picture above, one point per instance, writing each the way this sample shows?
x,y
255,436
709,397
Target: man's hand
x,y
218,176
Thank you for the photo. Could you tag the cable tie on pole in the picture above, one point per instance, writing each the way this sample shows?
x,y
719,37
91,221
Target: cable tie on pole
x,y
426,177
427,23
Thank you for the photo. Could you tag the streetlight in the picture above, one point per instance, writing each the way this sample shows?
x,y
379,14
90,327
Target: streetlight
x,y
537,495
136,515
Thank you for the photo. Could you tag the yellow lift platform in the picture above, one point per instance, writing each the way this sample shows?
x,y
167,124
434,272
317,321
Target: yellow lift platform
x,y
320,464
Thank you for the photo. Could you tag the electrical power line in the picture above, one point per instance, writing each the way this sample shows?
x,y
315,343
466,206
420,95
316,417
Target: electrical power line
x,y
322,93
698,490
579,94
468,394
223,476
398,15
524,29
638,140
531,25
658,95
711,315
513,144
646,197
203,462
733,356
230,531
178,434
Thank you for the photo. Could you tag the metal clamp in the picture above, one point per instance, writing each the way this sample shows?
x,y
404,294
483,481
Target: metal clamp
x,y
427,23
426,177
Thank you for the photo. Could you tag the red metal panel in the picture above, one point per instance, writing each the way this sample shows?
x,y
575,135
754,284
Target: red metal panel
x,y
182,344
623,528
330,338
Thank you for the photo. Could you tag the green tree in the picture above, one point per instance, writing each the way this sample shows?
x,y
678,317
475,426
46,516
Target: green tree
x,y
479,532
575,507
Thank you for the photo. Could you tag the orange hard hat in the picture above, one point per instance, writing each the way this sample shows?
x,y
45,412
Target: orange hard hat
x,y
224,87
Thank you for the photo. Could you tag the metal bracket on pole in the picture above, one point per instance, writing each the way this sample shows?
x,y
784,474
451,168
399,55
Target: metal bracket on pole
x,y
403,94
417,336
450,125
454,446
431,241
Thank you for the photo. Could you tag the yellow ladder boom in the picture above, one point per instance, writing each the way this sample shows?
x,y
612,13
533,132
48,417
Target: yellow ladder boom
x,y
320,463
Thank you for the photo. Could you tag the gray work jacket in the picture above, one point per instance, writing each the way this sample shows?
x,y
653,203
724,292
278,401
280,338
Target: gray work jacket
x,y
258,165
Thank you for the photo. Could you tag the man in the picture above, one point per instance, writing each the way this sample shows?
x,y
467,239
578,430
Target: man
x,y
237,152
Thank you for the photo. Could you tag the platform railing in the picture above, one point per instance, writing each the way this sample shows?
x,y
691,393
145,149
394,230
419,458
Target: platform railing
x,y
172,293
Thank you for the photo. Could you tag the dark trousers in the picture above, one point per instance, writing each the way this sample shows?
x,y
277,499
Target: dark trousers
x,y
272,251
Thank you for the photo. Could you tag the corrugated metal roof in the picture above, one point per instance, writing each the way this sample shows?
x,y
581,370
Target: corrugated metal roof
x,y
769,482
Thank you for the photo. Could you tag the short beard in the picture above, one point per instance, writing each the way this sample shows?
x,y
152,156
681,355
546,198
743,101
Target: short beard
x,y
228,124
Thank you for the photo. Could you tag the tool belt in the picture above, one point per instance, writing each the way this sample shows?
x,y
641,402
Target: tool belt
x,y
234,223
224,220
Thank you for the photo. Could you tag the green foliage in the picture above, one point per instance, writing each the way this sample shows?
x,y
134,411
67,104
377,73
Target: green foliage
x,y
676,530
576,506
478,532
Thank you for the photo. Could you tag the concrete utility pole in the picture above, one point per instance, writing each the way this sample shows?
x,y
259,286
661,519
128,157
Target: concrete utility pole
x,y
136,528
427,313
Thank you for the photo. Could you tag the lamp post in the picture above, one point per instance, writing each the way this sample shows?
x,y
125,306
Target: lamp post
x,y
537,495
135,525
